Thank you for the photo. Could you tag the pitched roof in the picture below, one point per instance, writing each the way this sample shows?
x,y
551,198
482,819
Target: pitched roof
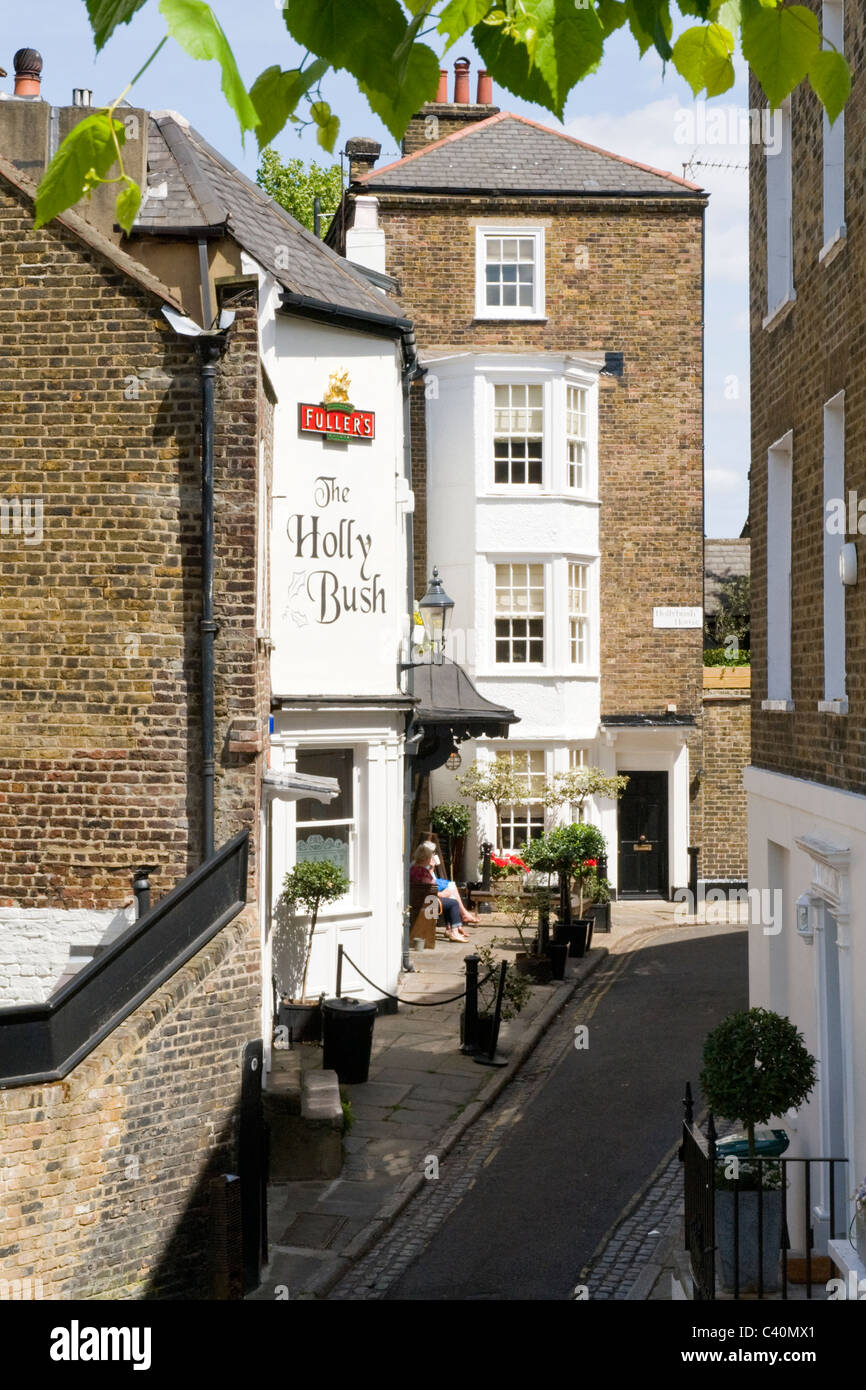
x,y
512,154
203,189
86,232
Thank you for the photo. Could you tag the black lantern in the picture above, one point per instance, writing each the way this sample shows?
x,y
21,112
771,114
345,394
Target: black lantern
x,y
435,609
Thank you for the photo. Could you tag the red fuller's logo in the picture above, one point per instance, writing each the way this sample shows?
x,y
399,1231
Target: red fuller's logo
x,y
335,417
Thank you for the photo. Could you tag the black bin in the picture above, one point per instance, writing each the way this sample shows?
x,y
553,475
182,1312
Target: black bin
x,y
347,1038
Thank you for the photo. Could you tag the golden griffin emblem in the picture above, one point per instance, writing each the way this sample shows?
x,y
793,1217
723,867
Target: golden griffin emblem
x,y
338,389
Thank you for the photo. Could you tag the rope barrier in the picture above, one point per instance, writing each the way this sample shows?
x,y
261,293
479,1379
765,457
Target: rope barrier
x,y
416,1003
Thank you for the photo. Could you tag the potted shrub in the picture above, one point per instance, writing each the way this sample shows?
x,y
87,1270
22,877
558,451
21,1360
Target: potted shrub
x,y
572,852
451,821
307,886
598,893
755,1065
515,997
520,908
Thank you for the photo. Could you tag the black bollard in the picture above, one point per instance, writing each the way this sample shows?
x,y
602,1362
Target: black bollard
x,y
694,851
470,1013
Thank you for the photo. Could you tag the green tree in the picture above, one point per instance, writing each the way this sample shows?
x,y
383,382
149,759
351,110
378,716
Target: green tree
x,y
756,1065
493,784
537,49
573,787
295,185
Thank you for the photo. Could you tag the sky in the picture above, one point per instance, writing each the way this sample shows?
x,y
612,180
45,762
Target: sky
x,y
631,106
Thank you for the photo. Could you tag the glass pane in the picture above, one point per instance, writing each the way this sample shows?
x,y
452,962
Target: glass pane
x,y
509,274
494,248
492,274
332,846
535,473
509,249
536,576
527,249
525,295
319,762
492,294
524,274
509,294
519,650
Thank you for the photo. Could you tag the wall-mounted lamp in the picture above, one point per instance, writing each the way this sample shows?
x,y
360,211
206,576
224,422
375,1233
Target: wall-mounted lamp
x,y
435,609
805,920
454,759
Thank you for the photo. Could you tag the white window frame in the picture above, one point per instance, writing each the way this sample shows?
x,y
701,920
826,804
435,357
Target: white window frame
x,y
779,200
357,874
508,819
483,310
554,451
833,28
576,438
780,468
835,694
583,617
520,666
543,436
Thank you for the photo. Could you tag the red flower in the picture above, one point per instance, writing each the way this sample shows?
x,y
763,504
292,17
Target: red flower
x,y
518,862
590,863
500,863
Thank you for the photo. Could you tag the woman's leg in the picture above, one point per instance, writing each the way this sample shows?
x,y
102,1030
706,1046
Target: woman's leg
x,y
452,892
451,913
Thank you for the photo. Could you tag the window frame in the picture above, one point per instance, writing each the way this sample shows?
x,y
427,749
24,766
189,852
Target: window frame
x,y
530,801
833,142
779,200
779,601
353,822
585,617
510,385
483,310
528,562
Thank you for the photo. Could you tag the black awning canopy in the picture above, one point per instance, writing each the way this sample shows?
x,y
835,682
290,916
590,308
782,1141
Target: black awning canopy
x,y
450,710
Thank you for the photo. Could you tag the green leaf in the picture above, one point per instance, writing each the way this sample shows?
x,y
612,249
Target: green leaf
x,y
613,15
127,205
830,79
780,46
195,27
363,37
460,15
543,66
328,124
654,19
275,94
105,15
703,56
83,158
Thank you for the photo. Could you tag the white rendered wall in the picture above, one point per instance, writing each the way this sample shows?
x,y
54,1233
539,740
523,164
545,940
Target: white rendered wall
x,y
785,970
35,944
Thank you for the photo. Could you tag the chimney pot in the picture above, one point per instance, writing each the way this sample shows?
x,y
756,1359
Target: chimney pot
x,y
485,88
461,82
442,89
28,71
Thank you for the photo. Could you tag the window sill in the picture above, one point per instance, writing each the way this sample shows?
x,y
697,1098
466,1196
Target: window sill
x,y
498,673
831,249
833,706
519,492
777,706
510,318
781,312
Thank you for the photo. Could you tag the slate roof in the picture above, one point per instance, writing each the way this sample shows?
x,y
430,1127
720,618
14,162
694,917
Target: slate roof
x,y
723,560
203,189
512,154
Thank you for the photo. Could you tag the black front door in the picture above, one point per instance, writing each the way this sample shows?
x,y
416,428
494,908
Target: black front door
x,y
643,835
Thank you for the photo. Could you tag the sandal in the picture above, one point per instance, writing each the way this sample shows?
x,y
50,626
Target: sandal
x,y
471,921
454,936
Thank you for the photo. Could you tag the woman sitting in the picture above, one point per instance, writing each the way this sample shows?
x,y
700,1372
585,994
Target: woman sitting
x,y
446,887
422,872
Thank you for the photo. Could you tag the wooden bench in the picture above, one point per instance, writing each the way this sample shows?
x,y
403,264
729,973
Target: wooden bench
x,y
422,901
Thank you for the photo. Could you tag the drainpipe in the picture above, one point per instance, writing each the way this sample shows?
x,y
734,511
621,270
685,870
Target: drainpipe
x,y
209,350
410,370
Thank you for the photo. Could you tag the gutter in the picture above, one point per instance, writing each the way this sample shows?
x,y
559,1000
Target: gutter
x,y
363,320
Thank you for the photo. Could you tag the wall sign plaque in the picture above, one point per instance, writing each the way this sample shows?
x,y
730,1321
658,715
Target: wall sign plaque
x,y
335,417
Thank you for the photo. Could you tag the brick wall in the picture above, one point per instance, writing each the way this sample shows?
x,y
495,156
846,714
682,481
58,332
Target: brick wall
x,y
636,289
104,1175
99,644
724,842
798,365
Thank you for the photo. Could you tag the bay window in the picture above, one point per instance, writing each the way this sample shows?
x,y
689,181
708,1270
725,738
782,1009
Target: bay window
x,y
519,620
518,429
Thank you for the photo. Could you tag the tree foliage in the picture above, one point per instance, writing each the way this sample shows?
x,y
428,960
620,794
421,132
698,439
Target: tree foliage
x,y
493,784
296,185
756,1065
537,49
309,885
575,786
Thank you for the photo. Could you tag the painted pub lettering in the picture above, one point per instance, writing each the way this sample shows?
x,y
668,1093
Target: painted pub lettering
x,y
343,540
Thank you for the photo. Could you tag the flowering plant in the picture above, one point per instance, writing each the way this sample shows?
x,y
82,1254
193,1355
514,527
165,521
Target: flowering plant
x,y
506,865
860,1201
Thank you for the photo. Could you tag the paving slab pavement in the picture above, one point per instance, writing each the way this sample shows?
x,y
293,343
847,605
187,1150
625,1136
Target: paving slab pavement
x,y
422,1094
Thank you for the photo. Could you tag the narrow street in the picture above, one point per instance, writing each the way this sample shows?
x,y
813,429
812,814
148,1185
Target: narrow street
x,y
523,1202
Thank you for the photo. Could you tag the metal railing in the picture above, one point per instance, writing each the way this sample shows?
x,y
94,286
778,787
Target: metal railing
x,y
744,1215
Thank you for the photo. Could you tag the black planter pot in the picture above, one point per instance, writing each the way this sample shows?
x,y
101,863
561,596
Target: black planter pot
x,y
600,914
581,937
484,1032
304,1021
538,968
347,1038
558,952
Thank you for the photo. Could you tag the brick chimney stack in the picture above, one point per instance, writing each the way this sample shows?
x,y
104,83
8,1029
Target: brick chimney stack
x,y
362,154
442,117
28,73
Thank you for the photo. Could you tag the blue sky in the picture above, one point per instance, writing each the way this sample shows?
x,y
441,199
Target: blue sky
x,y
630,107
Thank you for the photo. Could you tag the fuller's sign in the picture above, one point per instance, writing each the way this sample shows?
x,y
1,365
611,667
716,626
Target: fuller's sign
x,y
335,417
337,421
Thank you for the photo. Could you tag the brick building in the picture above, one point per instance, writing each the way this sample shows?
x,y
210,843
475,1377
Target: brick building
x,y
807,810
556,292
727,716
125,1045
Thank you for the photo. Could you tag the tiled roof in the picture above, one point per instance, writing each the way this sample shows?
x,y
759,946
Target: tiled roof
x,y
511,154
204,190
